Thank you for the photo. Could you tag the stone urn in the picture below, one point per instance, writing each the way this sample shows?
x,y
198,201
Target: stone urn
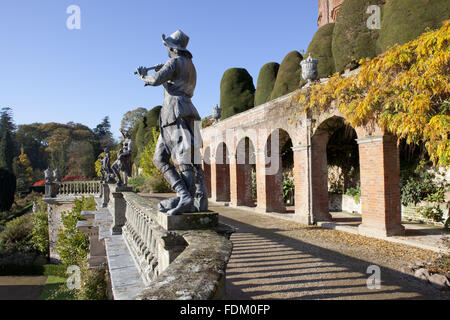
x,y
217,112
309,68
48,176
56,174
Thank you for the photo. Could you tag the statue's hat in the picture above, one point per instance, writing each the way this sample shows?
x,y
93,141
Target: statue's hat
x,y
177,40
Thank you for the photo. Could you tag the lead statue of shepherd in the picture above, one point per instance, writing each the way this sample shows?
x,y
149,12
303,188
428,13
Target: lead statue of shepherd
x,y
179,128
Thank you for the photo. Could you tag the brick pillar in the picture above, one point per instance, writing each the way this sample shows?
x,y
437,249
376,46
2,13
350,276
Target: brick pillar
x,y
380,186
319,177
241,183
220,180
301,182
269,184
207,175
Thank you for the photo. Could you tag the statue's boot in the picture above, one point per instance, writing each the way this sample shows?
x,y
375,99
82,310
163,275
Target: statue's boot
x,y
185,202
201,196
167,204
188,177
185,199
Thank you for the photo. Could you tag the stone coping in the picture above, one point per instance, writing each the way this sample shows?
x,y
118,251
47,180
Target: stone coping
x,y
198,273
185,221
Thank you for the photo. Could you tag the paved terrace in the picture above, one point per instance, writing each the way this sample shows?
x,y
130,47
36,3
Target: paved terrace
x,y
274,258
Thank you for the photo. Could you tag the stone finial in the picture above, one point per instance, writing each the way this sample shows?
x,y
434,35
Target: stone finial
x,y
309,68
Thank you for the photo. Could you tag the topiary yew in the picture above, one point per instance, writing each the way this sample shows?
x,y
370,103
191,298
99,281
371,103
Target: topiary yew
x,y
320,48
352,39
7,189
266,81
289,75
405,20
237,92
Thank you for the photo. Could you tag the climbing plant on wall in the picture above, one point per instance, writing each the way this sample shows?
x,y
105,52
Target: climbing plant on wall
x,y
405,91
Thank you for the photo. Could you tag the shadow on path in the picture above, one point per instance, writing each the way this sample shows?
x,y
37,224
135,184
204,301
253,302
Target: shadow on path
x,y
268,265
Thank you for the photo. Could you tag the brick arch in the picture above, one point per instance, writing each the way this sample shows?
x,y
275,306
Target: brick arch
x,y
207,169
241,173
269,172
319,169
221,167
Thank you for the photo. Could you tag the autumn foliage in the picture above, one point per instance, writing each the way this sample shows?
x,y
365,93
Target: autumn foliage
x,y
404,90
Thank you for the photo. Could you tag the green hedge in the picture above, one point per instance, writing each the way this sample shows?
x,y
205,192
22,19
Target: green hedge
x,y
289,75
352,40
405,20
266,81
320,48
237,92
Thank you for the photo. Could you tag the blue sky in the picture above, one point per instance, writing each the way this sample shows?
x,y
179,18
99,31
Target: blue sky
x,y
50,73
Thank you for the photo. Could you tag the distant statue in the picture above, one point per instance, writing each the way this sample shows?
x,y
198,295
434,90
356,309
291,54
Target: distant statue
x,y
106,171
179,137
123,162
217,112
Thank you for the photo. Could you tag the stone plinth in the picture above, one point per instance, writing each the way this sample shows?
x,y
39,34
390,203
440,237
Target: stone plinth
x,y
117,206
188,221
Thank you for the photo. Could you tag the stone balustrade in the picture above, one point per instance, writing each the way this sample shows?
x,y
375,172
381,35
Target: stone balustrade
x,y
78,188
192,248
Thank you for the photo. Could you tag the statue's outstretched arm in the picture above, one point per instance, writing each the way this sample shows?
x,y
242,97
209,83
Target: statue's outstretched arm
x,y
165,74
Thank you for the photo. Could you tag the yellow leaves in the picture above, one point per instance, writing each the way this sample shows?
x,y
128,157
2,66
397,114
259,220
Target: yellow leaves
x,y
402,90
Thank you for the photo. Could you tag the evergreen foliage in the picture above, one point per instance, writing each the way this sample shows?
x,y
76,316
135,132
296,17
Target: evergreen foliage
x,y
266,81
289,75
320,48
237,92
352,40
405,20
144,131
7,189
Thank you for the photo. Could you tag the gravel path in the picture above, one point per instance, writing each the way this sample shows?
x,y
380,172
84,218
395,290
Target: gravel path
x,y
278,259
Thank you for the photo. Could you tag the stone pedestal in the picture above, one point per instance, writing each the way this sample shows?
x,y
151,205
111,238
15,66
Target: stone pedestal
x,y
188,221
97,252
117,207
105,194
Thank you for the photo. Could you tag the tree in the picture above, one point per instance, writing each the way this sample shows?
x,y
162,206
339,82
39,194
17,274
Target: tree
x,y
237,92
7,189
103,135
7,145
266,80
32,140
23,171
80,159
131,118
289,75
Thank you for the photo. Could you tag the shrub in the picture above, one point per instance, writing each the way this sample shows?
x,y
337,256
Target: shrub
x,y
7,189
421,186
158,184
146,159
320,48
236,92
352,40
289,75
73,245
40,236
137,182
16,236
266,80
405,20
93,284
354,192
